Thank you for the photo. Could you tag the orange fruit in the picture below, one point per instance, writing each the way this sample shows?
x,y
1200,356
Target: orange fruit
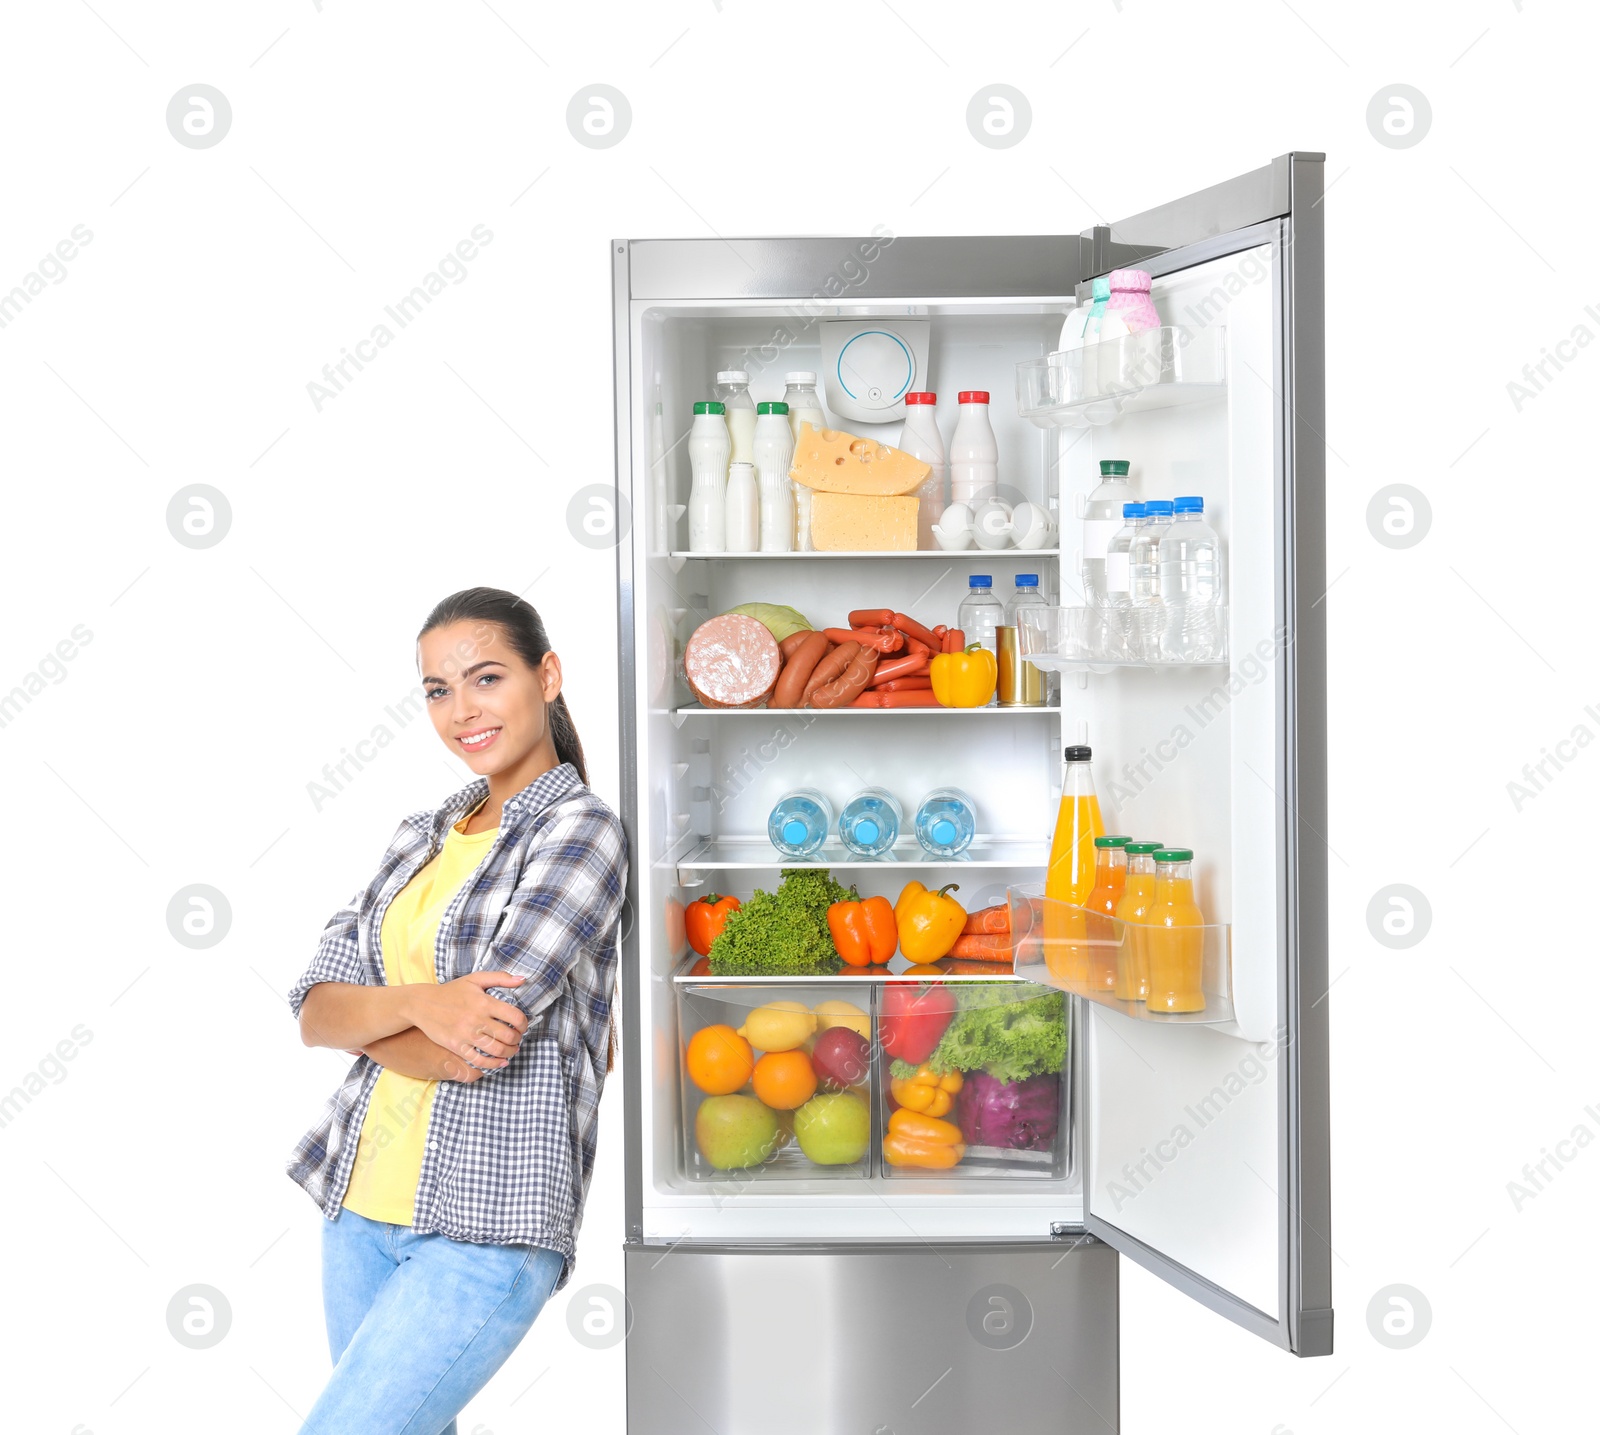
x,y
785,1079
719,1060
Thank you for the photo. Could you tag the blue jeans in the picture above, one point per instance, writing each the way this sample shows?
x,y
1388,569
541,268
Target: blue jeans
x,y
417,1323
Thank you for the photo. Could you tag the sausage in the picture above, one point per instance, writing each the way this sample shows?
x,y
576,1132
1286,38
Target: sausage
x,y
792,681
872,617
791,645
904,685
899,668
884,639
732,662
828,669
850,685
913,629
914,698
955,641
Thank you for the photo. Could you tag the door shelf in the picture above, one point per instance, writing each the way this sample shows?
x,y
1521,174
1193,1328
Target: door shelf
x,y
1100,640
1092,956
756,854
1157,369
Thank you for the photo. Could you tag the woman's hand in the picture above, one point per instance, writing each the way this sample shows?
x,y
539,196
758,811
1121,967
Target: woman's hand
x,y
466,1021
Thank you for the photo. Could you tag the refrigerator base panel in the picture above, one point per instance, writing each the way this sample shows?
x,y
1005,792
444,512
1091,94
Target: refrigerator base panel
x,y
883,1339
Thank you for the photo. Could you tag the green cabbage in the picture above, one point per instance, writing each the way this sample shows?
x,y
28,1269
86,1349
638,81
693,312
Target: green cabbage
x,y
780,621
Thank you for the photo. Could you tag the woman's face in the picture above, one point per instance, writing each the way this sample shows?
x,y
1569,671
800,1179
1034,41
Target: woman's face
x,y
487,704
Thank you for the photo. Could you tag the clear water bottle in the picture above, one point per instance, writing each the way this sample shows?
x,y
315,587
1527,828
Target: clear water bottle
x,y
1118,557
1144,579
870,822
1102,517
1027,595
800,823
980,614
946,822
1190,556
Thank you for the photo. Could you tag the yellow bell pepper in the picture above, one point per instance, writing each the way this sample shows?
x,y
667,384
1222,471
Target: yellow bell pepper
x,y
928,922
966,679
916,1140
926,1091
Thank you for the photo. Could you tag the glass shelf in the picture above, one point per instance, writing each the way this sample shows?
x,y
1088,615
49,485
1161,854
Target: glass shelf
x,y
1090,955
950,969
974,551
872,714
1157,369
757,854
1099,640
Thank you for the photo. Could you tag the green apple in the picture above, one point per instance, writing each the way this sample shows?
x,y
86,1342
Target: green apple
x,y
735,1131
834,1129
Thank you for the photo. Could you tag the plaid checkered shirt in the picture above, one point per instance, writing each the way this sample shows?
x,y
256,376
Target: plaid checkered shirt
x,y
508,1156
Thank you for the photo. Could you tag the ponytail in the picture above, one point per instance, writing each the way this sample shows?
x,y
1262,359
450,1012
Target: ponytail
x,y
524,630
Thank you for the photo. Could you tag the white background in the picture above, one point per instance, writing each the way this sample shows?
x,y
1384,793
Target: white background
x,y
178,744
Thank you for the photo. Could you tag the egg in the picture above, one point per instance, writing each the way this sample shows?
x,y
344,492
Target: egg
x,y
954,528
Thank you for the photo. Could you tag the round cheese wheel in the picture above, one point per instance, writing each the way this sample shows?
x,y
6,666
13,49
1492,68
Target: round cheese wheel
x,y
732,662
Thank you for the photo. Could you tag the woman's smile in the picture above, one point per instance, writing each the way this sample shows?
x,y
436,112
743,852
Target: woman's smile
x,y
478,738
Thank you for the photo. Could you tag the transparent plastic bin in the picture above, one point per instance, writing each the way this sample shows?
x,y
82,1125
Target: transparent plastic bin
x,y
1098,958
757,1141
1012,1129
1092,385
1099,639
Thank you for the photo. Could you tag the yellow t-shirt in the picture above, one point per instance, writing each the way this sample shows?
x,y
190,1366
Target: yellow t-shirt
x,y
388,1165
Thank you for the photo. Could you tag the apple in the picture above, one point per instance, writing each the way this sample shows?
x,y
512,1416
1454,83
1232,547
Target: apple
x,y
834,1128
733,1132
840,1058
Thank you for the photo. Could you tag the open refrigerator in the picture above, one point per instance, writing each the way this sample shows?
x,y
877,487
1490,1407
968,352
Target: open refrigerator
x,y
804,1297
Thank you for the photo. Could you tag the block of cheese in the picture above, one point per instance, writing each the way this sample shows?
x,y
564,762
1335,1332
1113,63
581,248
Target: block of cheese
x,y
833,462
863,523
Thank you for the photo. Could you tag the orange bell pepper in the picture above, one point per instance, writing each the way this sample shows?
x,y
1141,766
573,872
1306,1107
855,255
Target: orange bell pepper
x,y
926,1091
863,930
917,1140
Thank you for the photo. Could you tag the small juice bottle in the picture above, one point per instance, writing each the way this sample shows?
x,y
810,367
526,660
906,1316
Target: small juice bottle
x,y
1133,961
1173,936
1110,873
1070,877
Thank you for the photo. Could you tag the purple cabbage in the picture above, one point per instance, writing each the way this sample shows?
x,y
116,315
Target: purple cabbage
x,y
1014,1115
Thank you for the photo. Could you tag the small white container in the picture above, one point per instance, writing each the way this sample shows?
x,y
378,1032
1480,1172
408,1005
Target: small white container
x,y
991,524
741,510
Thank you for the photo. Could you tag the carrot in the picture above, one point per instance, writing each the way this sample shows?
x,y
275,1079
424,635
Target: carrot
x,y
983,948
917,698
884,640
872,617
913,629
898,668
905,685
955,641
988,920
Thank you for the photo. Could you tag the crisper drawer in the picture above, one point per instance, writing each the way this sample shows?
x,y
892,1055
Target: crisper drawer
x,y
883,1076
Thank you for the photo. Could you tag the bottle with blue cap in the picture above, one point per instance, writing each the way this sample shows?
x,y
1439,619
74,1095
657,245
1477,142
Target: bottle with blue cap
x,y
800,823
1027,595
980,614
870,822
1118,578
1190,584
947,821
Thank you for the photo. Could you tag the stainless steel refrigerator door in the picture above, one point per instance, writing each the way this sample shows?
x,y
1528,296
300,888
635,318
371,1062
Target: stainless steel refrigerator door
x,y
902,1339
1207,1150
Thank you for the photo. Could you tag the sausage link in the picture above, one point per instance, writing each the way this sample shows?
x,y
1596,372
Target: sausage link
x,y
849,686
791,686
792,644
828,669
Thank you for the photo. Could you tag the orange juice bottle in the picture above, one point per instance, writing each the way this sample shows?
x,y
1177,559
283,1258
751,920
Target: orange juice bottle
x,y
1133,962
1174,936
1110,873
1070,876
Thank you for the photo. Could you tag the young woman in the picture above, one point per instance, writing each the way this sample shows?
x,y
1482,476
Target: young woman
x,y
472,977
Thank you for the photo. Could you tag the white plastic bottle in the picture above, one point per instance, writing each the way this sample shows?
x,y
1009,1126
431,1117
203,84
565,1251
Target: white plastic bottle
x,y
733,388
920,438
1102,517
709,447
774,448
741,510
1190,556
1083,323
974,455
805,407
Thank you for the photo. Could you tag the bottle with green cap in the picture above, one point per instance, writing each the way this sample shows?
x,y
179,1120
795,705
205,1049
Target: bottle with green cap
x,y
1102,518
1110,875
709,451
1175,936
1133,963
774,450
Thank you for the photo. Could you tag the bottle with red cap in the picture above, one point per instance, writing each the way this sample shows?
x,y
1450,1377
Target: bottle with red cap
x,y
920,438
974,455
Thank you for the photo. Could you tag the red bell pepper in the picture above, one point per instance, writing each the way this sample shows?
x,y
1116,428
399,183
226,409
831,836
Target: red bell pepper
x,y
914,1018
